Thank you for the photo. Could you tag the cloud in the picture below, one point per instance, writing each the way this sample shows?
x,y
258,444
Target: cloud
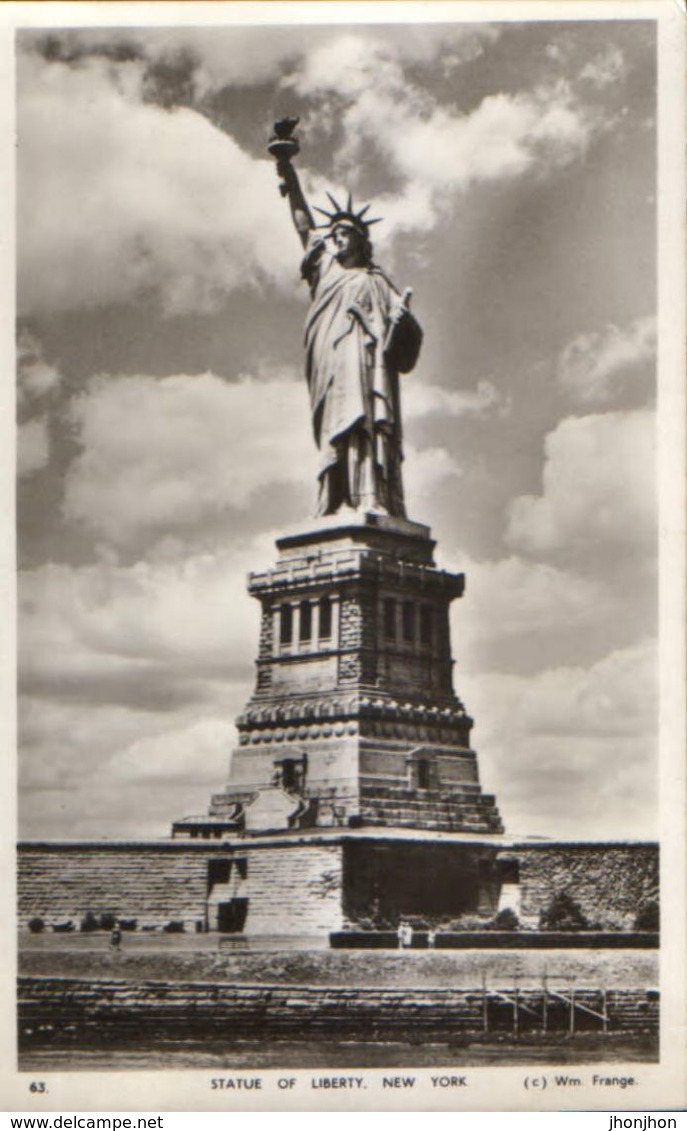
x,y
132,675
411,208
105,625
61,747
197,752
596,366
163,456
431,467
426,400
33,446
38,383
515,596
605,69
523,616
116,771
572,749
192,54
345,65
246,56
347,62
112,204
598,701
599,492
111,207
504,137
36,378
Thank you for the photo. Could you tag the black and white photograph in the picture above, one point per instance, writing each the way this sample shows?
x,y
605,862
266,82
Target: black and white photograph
x,y
347,742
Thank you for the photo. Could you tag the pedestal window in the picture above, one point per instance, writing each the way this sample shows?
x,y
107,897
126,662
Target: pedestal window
x,y
325,632
286,625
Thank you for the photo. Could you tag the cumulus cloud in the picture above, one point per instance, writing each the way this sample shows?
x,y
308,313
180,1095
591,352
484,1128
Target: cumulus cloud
x,y
431,467
515,596
249,55
132,675
595,366
102,772
599,489
38,382
161,456
111,207
600,700
33,446
523,616
258,58
61,746
92,624
36,377
426,400
196,54
197,752
119,196
346,63
583,733
504,137
411,208
606,68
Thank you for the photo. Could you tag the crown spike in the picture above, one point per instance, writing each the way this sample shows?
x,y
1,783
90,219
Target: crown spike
x,y
345,214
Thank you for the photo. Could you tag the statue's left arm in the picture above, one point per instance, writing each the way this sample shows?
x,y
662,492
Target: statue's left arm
x,y
404,336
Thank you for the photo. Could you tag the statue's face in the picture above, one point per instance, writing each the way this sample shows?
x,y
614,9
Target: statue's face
x,y
349,246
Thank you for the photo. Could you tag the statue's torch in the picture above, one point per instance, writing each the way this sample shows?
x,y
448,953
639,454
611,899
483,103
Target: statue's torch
x,y
283,148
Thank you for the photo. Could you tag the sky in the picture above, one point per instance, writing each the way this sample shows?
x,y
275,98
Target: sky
x,y
164,438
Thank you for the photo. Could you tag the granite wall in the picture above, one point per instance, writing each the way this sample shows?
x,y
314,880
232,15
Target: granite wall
x,y
313,886
295,889
608,881
159,882
154,883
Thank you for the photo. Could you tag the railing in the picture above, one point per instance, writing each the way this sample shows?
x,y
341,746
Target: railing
x,y
570,999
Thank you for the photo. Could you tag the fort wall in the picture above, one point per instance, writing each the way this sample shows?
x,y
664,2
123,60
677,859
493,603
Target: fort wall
x,y
312,885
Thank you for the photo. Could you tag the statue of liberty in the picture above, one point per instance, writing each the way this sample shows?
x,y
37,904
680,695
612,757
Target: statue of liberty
x,y
359,335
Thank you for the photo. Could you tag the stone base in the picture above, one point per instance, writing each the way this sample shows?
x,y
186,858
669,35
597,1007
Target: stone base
x,y
353,721
312,884
411,541
354,781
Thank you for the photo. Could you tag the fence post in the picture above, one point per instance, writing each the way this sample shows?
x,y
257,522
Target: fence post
x,y
515,1008
572,1007
545,1001
485,1003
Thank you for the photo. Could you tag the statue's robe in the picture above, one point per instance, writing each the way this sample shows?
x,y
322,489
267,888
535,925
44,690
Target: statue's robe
x,y
358,338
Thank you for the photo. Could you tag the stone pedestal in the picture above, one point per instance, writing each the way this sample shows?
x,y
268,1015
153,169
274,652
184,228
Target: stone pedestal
x,y
353,721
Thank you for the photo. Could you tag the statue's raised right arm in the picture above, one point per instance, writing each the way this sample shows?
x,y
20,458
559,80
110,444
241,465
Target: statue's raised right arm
x,y
283,146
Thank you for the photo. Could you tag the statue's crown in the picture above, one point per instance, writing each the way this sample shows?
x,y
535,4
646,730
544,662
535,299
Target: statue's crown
x,y
346,215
